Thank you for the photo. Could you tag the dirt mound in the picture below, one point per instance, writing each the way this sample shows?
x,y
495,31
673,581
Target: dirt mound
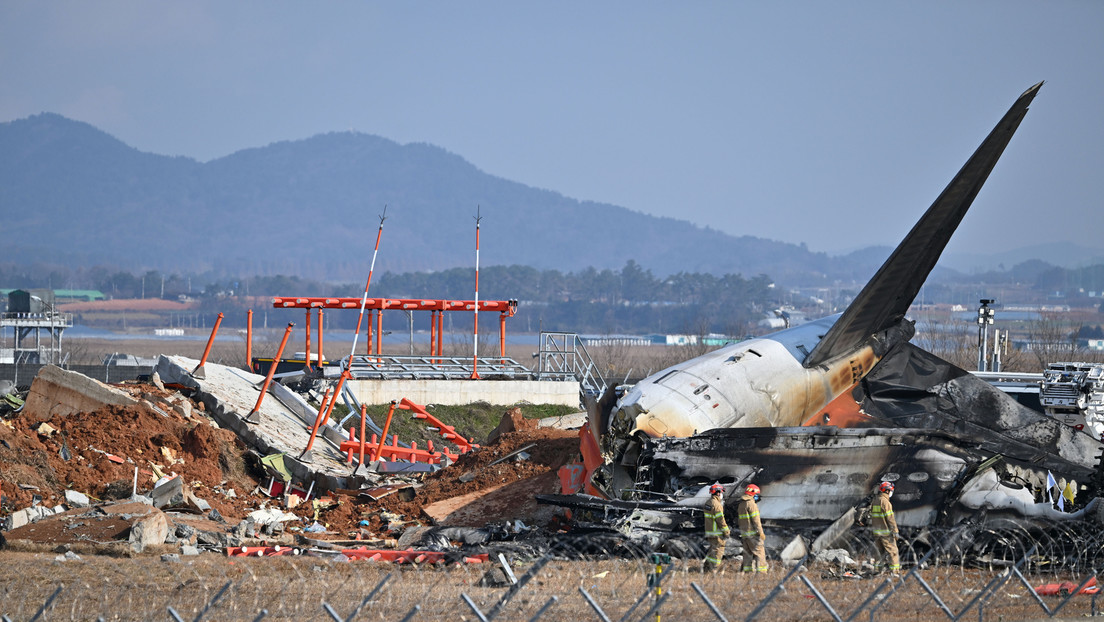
x,y
512,421
548,450
97,453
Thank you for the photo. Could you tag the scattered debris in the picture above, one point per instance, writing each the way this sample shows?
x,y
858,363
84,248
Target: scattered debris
x,y
148,468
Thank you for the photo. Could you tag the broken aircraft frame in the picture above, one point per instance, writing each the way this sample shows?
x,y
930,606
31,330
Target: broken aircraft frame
x,y
820,413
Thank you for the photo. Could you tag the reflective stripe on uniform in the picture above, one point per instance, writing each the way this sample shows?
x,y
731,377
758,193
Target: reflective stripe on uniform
x,y
712,524
745,518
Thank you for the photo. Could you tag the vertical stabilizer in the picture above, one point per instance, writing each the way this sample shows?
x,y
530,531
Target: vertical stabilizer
x,y
887,297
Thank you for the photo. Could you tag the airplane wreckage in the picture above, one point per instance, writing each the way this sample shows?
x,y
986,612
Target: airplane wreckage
x,y
817,415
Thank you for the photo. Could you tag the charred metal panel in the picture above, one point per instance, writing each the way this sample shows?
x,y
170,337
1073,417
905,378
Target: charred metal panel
x,y
917,389
817,474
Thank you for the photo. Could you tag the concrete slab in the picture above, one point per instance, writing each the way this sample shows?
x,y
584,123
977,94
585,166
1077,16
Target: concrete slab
x,y
574,421
460,392
284,420
57,391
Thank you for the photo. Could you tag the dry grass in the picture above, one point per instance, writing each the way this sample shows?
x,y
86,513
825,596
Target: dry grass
x,y
295,588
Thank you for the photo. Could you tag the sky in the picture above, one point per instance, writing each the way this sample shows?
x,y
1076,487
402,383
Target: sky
x,y
833,124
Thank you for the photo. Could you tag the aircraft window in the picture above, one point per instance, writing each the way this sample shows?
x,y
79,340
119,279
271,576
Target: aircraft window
x,y
664,376
827,478
856,478
919,476
698,390
890,477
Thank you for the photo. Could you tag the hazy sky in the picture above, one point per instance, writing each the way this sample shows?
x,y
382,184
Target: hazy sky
x,y
830,123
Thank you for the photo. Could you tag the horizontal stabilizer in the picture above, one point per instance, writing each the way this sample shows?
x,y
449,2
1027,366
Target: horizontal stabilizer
x,y
887,297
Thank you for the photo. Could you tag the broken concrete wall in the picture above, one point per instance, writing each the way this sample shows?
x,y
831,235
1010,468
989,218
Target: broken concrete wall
x,y
460,392
283,426
56,391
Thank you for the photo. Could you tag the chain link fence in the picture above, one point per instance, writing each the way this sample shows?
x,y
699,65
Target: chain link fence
x,y
567,581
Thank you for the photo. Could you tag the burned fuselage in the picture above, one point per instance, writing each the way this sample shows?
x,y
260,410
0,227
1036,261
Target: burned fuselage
x,y
814,475
755,383
730,415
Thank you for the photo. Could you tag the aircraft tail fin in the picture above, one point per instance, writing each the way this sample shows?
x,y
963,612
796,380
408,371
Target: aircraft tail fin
x,y
887,297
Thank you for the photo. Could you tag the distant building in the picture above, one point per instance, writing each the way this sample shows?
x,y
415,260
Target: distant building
x,y
36,328
78,295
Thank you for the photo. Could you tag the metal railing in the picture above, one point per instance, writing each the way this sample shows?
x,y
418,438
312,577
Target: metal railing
x,y
388,367
563,356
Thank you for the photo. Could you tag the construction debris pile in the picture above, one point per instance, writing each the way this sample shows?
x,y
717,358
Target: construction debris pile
x,y
152,467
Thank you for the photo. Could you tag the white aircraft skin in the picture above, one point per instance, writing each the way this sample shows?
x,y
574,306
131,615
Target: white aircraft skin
x,y
786,378
754,383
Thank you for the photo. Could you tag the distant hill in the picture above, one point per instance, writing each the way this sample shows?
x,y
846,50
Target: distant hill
x,y
72,193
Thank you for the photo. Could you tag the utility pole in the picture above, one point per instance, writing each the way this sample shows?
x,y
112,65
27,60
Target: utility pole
x,y
984,319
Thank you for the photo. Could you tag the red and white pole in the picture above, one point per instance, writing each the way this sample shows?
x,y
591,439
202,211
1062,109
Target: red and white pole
x,y
475,324
364,301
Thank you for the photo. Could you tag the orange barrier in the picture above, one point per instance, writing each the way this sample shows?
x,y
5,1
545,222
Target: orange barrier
x,y
321,356
447,431
306,456
394,451
199,372
363,423
323,415
306,353
386,427
1067,587
254,416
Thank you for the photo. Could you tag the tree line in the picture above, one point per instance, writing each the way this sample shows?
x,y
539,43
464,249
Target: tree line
x,y
630,300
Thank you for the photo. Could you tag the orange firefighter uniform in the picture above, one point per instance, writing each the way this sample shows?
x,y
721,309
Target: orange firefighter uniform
x,y
751,534
716,531
884,526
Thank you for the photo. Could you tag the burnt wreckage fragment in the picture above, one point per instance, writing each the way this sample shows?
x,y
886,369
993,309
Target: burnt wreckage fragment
x,y
956,448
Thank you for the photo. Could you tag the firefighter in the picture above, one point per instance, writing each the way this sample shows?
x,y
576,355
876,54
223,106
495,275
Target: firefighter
x,y
885,528
716,529
751,530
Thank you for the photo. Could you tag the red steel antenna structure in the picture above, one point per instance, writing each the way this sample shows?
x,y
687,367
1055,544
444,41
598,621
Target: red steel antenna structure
x,y
438,307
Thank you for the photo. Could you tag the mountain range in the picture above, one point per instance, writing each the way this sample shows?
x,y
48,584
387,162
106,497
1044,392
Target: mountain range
x,y
71,193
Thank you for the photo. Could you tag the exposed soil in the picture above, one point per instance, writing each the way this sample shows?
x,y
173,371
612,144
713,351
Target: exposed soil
x,y
209,459
550,450
97,453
